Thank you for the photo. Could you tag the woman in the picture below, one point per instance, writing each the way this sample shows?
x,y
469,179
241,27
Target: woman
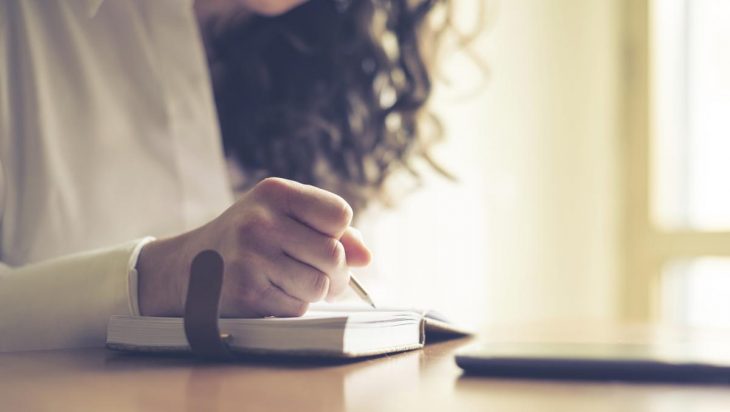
x,y
108,134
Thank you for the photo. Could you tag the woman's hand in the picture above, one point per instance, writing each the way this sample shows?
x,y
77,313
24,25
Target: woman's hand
x,y
284,245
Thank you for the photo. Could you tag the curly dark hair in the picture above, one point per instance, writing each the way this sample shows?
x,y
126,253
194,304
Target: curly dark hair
x,y
330,93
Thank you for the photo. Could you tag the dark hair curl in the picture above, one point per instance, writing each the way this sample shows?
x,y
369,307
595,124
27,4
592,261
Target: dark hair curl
x,y
329,94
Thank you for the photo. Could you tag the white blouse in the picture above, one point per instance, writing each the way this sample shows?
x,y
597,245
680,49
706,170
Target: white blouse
x,y
107,134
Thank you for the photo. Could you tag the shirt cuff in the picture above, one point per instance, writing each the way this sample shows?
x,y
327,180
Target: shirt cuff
x,y
132,275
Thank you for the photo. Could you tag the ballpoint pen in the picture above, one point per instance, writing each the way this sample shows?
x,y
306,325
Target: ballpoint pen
x,y
360,290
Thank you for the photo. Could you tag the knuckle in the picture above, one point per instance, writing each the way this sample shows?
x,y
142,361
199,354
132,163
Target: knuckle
x,y
335,253
277,192
320,286
273,187
344,213
272,183
257,224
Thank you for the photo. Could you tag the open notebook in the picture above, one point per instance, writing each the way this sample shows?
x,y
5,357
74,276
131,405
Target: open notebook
x,y
326,330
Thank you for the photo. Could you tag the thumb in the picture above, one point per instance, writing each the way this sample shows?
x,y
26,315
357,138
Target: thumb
x,y
356,251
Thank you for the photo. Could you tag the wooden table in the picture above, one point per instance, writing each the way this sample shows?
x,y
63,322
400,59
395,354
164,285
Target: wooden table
x,y
426,380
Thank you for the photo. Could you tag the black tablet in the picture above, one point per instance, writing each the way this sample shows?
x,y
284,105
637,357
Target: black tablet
x,y
589,361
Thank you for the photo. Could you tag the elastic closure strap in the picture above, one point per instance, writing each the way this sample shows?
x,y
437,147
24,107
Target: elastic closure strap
x,y
202,306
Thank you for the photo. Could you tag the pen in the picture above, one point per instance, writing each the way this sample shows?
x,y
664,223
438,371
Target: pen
x,y
361,292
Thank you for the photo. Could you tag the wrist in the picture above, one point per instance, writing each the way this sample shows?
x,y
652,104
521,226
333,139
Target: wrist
x,y
161,277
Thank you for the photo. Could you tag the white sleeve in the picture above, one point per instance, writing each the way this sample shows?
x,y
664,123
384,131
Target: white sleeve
x,y
66,302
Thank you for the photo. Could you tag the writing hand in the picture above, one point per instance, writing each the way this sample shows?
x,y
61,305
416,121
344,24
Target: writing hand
x,y
284,245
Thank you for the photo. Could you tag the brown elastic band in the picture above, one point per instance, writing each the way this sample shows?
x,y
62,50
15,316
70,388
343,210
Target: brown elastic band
x,y
201,306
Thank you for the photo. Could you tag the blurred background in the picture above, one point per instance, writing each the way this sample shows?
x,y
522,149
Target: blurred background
x,y
592,160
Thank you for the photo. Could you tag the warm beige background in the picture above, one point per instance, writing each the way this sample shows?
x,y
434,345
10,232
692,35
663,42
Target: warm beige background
x,y
532,230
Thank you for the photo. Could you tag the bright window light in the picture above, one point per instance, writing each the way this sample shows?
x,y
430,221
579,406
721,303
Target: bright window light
x,y
691,148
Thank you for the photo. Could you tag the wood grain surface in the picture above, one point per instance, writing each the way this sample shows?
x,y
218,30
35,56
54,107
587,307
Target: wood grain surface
x,y
424,380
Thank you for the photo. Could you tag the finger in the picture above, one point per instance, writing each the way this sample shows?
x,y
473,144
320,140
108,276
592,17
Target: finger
x,y
356,252
319,209
331,298
275,302
325,253
300,280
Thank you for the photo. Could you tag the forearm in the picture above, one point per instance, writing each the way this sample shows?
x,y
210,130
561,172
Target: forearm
x,y
65,302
